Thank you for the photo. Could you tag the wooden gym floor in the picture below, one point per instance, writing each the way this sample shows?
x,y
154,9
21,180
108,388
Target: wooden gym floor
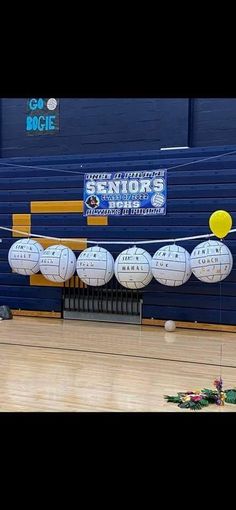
x,y
55,365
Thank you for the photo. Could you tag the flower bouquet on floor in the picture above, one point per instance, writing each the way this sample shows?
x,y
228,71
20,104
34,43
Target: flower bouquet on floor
x,y
198,399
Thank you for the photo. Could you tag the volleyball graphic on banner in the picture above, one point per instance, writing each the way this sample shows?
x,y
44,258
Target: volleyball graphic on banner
x,y
51,103
24,256
95,266
171,265
133,268
57,263
211,261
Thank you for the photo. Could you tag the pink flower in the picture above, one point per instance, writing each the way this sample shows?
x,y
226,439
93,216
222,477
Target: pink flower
x,y
196,398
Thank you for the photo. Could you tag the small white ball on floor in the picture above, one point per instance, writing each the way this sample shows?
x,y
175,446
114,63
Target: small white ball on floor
x,y
170,326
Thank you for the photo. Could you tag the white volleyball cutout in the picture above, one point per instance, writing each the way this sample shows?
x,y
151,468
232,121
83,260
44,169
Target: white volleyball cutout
x,y
211,261
171,265
57,263
133,268
24,256
95,266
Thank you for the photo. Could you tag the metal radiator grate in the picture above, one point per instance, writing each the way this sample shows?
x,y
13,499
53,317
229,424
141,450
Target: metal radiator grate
x,y
111,302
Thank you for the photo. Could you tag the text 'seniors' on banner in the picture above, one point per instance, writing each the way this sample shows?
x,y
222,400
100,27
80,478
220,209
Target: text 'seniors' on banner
x,y
125,193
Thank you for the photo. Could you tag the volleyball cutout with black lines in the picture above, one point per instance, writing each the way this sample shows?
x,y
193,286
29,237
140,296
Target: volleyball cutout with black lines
x,y
211,261
95,266
171,265
133,268
57,263
24,256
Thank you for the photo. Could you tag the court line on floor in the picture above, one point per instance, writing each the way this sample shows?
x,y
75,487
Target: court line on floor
x,y
118,354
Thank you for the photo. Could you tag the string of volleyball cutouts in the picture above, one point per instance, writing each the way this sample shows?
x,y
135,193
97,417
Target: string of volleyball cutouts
x,y
172,265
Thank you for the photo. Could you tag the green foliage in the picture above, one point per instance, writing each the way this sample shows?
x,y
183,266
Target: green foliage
x,y
169,398
210,395
196,401
230,396
195,405
204,402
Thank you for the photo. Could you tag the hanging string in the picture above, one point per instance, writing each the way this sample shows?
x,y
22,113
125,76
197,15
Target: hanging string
x,y
79,240
202,159
15,165
35,167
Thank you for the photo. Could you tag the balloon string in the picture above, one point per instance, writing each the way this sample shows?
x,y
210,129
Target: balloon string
x,y
220,302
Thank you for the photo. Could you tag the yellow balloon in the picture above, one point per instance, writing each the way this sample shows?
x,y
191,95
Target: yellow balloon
x,y
220,223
